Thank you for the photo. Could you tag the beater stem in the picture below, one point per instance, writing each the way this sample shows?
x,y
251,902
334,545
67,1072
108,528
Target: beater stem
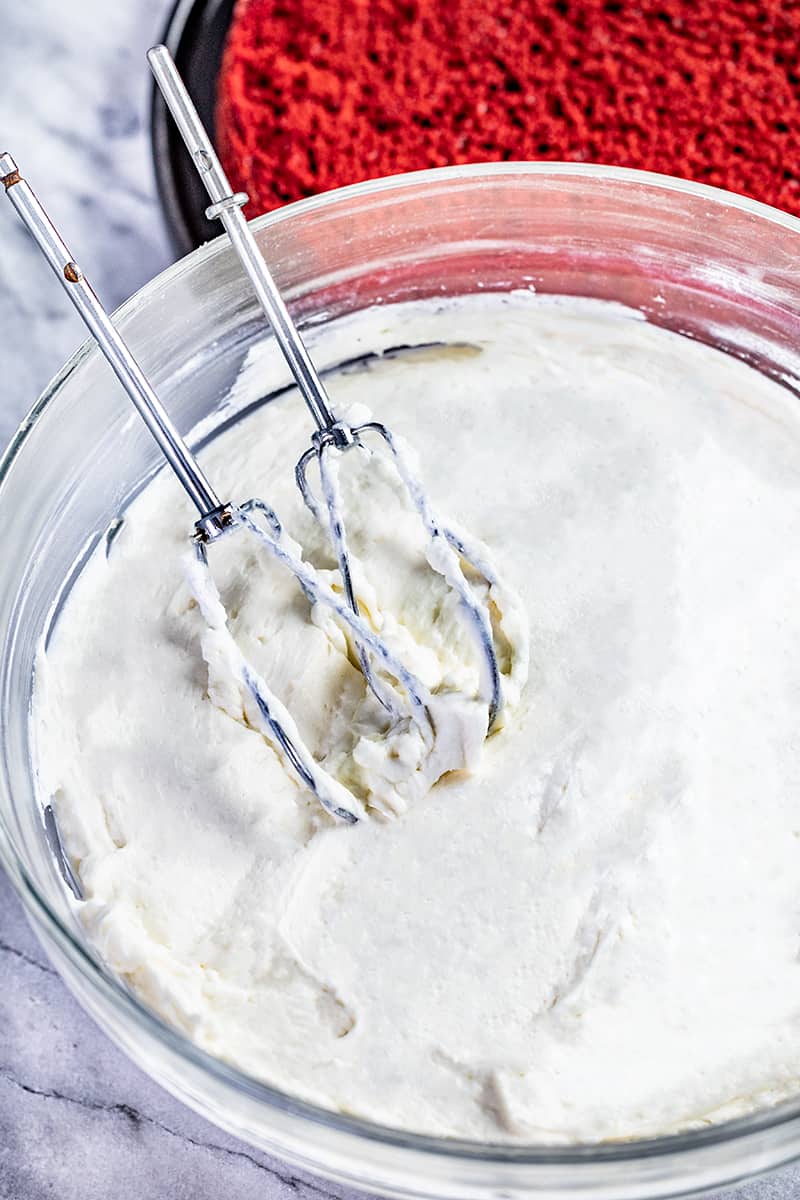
x,y
128,372
227,206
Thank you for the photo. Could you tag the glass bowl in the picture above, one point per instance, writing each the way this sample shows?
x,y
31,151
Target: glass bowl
x,y
708,264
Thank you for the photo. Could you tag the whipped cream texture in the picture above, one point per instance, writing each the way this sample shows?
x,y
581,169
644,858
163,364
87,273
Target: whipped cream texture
x,y
592,929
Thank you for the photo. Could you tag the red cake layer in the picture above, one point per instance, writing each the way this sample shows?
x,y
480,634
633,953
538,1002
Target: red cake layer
x,y
318,93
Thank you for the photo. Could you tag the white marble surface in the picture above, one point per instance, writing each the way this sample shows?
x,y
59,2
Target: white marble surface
x,y
77,1120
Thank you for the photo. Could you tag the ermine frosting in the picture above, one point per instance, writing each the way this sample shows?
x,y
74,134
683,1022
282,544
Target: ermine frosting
x,y
594,931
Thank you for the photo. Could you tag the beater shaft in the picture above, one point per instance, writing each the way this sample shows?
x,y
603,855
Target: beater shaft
x,y
110,341
227,206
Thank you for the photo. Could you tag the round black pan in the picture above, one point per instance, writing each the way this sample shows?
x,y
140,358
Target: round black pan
x,y
195,37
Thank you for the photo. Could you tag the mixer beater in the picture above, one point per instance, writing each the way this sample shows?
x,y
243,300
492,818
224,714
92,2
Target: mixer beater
x,y
331,435
404,698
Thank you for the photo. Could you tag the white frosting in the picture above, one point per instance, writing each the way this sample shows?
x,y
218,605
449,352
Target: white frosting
x,y
595,933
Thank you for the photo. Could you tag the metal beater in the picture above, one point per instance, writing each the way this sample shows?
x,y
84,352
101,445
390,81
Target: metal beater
x,y
217,519
332,436
398,690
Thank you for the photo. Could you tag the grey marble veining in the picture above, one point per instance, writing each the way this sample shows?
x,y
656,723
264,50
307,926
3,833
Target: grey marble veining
x,y
74,113
77,1120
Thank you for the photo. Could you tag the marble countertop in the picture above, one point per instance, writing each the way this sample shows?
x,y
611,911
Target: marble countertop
x,y
77,1120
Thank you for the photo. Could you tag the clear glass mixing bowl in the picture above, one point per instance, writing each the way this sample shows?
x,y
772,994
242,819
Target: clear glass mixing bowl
x,y
706,263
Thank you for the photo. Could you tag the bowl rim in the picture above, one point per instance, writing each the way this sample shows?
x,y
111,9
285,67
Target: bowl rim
x,y
100,977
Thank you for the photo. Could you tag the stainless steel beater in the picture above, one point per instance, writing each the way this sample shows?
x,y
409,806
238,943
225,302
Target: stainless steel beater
x,y
403,696
217,518
448,549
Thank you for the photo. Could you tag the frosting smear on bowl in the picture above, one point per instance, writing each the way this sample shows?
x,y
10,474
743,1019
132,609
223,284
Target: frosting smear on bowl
x,y
592,932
